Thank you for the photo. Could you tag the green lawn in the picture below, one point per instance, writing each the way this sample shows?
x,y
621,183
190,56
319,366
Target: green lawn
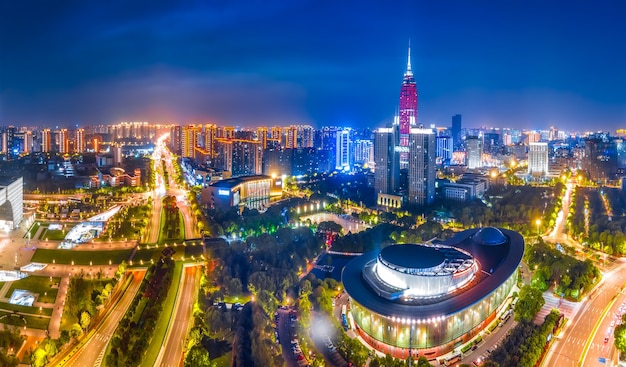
x,y
53,235
37,284
81,257
224,361
193,250
157,341
146,255
26,309
33,229
34,322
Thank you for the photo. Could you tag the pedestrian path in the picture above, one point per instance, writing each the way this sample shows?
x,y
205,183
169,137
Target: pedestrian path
x,y
567,308
4,290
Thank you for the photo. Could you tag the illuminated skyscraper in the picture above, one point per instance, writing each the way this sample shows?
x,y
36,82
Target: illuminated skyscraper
x,y
28,142
407,114
79,146
64,141
210,132
421,166
261,136
344,145
188,141
45,140
538,159
474,147
387,171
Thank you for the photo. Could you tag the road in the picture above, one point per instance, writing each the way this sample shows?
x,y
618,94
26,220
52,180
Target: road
x,y
582,340
171,355
570,347
284,335
91,350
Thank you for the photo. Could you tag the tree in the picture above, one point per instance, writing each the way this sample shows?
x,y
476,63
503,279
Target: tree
x,y
197,356
85,320
530,302
620,338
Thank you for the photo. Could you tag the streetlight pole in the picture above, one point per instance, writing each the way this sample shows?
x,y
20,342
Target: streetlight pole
x,y
538,223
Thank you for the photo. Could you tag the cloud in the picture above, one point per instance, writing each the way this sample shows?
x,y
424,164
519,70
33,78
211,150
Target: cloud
x,y
163,94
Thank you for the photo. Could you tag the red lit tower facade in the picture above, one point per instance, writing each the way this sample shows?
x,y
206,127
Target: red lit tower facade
x,y
407,114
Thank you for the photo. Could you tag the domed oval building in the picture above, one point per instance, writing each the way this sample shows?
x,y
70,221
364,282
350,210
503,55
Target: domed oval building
x,y
431,297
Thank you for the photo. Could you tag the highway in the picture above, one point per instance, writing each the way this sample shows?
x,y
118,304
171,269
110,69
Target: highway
x,y
171,355
91,350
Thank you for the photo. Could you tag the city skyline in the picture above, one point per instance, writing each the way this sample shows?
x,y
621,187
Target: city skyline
x,y
516,65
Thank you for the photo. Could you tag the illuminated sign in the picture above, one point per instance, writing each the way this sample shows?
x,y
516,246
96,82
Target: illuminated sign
x,y
278,182
223,192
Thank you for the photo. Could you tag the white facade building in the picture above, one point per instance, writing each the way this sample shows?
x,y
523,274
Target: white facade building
x,y
538,159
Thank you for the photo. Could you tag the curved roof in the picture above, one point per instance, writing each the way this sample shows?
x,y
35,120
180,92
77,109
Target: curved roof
x,y
490,236
412,256
497,263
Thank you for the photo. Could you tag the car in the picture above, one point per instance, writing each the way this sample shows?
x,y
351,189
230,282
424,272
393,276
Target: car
x,y
479,361
612,323
606,339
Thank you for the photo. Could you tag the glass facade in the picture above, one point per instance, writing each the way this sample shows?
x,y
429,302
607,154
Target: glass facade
x,y
419,333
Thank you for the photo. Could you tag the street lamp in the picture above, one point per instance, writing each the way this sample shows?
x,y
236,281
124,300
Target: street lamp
x,y
538,223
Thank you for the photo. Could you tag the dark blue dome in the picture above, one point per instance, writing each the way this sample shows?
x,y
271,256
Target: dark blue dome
x,y
489,236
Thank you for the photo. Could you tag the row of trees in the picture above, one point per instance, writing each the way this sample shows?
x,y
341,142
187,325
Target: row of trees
x,y
525,344
172,227
84,297
589,221
515,207
133,334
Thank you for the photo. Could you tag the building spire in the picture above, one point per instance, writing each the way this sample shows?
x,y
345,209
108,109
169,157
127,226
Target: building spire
x,y
408,63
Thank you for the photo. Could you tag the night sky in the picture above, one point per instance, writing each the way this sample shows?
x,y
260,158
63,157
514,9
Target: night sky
x,y
518,64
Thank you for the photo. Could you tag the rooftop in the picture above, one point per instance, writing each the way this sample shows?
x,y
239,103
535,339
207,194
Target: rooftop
x,y
232,182
497,263
412,256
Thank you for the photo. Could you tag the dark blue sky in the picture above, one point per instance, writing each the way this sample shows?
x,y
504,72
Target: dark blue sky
x,y
520,64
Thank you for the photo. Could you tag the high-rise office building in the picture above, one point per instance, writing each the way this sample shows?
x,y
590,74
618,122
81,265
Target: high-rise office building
x,y
407,114
46,143
364,152
601,157
79,143
456,130
538,159
421,166
387,168
474,149
343,157
444,149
